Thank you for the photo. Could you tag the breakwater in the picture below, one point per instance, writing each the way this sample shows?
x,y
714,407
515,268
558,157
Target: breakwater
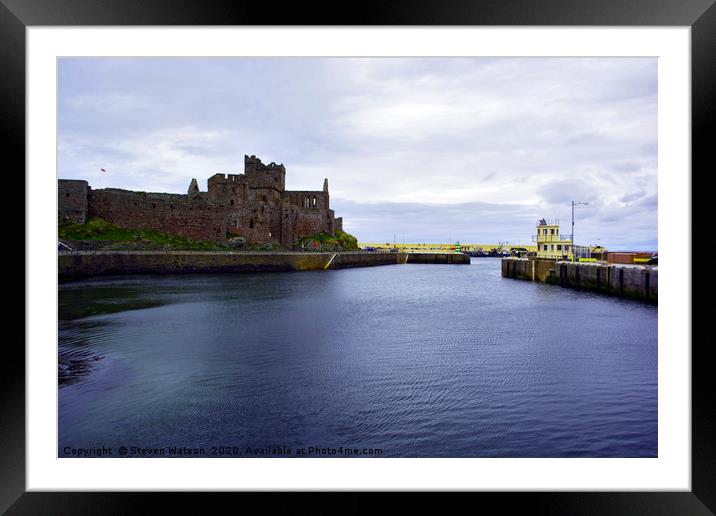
x,y
630,281
80,264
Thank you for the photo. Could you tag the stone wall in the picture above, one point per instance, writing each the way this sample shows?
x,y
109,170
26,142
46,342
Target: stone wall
x,y
81,264
164,213
307,199
441,258
522,268
630,281
72,200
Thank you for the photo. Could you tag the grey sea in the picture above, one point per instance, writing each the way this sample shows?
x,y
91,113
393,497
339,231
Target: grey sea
x,y
392,361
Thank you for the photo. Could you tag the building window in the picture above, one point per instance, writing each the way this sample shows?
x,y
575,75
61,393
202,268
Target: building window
x,y
232,202
264,198
314,202
251,224
559,247
67,194
552,246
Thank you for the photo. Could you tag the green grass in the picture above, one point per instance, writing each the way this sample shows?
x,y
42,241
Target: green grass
x,y
99,229
271,246
341,241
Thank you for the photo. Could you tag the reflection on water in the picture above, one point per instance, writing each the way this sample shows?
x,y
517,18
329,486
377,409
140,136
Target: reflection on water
x,y
418,360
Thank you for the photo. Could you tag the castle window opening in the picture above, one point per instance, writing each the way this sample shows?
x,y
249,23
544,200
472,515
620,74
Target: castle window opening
x,y
314,202
251,223
264,198
232,202
552,231
67,194
154,205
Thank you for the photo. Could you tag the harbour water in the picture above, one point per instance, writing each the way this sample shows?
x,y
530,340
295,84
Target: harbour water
x,y
412,360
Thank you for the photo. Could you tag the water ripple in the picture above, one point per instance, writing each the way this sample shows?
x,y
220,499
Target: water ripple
x,y
420,360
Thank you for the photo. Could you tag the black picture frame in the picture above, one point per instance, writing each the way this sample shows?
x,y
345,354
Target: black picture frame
x,y
700,15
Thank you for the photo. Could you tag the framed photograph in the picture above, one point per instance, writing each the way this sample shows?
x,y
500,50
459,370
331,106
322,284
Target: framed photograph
x,y
413,251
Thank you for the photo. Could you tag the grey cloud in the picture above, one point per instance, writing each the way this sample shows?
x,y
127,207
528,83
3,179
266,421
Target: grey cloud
x,y
472,133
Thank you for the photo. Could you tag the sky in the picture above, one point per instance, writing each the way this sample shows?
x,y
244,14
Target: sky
x,y
422,150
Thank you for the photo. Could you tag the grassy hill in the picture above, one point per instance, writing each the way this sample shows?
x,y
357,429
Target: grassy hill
x,y
98,234
341,241
107,236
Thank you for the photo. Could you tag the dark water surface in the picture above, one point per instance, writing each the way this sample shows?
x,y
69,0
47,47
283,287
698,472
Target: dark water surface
x,y
415,360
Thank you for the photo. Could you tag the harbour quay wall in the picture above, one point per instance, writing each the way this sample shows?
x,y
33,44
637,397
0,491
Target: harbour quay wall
x,y
629,281
445,258
348,260
82,264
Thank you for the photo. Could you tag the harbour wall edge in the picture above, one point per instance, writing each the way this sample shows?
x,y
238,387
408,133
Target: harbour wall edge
x,y
633,282
83,264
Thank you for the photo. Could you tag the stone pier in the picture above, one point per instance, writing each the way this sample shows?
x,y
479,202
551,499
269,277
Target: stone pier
x,y
81,264
629,281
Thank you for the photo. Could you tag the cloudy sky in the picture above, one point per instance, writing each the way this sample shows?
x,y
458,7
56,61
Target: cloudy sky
x,y
428,150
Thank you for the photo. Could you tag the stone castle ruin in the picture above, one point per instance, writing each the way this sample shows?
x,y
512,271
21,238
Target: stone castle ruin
x,y
254,205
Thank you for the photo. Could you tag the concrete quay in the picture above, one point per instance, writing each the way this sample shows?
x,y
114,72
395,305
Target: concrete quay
x,y
628,281
82,264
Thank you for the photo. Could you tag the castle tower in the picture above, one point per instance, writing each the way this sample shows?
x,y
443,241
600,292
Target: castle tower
x,y
325,185
271,176
550,244
193,188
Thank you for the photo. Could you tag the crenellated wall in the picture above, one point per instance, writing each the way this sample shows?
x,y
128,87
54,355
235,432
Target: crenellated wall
x,y
167,213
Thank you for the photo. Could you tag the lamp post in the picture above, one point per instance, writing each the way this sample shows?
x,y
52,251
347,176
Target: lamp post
x,y
573,205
